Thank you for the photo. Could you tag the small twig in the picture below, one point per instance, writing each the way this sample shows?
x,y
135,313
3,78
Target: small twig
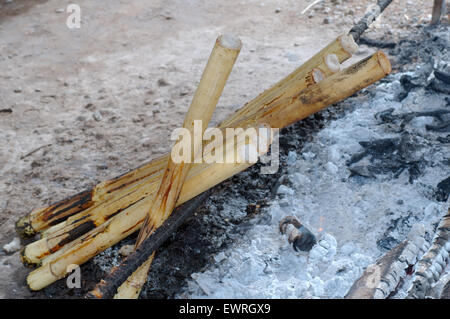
x,y
310,6
34,151
371,14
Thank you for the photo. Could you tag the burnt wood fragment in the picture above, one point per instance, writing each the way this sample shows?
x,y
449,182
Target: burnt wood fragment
x,y
377,43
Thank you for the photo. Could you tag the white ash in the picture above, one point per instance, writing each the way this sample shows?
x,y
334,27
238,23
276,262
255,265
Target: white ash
x,y
355,219
13,246
109,258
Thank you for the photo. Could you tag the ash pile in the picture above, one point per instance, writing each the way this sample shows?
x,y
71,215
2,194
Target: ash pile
x,y
371,183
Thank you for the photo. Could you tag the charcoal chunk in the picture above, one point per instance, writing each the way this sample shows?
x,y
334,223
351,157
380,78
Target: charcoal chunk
x,y
442,190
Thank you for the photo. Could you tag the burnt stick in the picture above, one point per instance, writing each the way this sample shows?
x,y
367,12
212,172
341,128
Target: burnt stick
x,y
371,14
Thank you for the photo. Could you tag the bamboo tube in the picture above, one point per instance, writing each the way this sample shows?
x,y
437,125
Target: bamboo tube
x,y
44,217
329,91
40,219
75,226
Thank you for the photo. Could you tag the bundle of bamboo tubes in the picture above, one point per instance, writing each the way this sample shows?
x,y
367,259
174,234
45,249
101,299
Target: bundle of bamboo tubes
x,y
68,219
76,229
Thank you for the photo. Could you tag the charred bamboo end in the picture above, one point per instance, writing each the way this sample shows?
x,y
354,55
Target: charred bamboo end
x,y
33,253
27,261
24,228
99,191
288,220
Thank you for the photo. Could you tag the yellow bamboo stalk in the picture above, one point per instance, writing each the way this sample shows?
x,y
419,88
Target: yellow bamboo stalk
x,y
376,67
327,92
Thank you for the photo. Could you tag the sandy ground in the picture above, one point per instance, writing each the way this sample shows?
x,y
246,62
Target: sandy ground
x,y
78,106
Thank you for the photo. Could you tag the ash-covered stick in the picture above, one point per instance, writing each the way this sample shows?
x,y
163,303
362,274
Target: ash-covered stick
x,y
371,14
107,288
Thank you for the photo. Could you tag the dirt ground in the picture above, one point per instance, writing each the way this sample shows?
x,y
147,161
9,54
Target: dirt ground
x,y
78,106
